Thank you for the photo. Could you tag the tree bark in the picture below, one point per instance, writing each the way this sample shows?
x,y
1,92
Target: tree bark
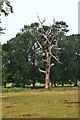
x,y
55,84
34,84
75,84
47,75
23,85
5,84
62,84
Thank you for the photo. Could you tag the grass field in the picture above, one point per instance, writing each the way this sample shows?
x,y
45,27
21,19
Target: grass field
x,y
60,102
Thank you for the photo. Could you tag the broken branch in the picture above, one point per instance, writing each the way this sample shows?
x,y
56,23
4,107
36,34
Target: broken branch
x,y
42,71
51,64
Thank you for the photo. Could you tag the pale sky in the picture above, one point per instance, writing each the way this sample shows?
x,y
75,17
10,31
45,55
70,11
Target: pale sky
x,y
25,13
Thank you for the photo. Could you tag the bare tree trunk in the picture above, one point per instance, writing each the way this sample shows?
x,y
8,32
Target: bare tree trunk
x,y
5,84
34,83
23,85
75,84
47,78
47,75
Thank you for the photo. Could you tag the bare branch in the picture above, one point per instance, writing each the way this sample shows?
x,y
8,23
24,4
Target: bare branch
x,y
41,23
51,65
49,31
42,71
45,34
55,58
40,20
44,60
53,20
44,50
39,44
57,48
52,35
51,46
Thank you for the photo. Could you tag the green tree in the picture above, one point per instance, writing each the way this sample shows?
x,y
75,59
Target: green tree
x,y
69,48
34,47
21,57
8,66
6,9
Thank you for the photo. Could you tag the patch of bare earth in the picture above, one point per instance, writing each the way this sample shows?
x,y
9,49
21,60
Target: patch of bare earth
x,y
8,105
25,115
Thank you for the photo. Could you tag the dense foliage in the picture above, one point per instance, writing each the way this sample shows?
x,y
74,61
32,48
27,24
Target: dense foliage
x,y
6,9
21,59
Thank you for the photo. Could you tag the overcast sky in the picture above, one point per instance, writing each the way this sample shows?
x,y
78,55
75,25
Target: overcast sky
x,y
25,12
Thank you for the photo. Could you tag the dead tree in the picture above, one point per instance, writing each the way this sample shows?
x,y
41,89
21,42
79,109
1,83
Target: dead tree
x,y
50,35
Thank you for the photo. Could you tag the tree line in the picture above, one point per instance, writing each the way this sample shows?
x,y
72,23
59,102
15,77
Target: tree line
x,y
27,56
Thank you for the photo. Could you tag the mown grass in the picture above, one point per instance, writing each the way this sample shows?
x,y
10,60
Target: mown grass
x,y
59,102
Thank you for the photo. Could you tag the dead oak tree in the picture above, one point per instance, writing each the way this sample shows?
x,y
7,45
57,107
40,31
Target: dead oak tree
x,y
47,38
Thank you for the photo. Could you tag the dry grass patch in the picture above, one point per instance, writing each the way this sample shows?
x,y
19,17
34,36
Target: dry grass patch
x,y
41,104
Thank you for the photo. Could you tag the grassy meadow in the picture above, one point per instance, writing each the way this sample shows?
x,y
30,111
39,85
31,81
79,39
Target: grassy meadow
x,y
57,102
